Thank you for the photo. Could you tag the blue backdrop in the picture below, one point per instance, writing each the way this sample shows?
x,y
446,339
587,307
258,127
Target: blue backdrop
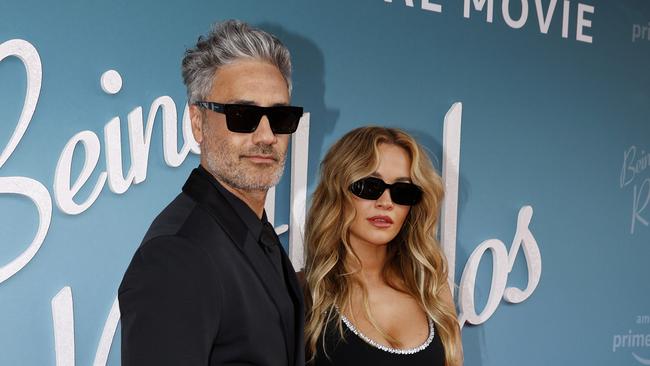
x,y
557,120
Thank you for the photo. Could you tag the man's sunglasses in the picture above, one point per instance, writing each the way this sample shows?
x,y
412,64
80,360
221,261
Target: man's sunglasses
x,y
402,193
245,118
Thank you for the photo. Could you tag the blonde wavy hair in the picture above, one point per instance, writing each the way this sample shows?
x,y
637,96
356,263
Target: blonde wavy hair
x,y
414,264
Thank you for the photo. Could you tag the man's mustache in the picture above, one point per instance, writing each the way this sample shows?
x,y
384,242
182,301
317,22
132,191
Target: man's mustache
x,y
264,150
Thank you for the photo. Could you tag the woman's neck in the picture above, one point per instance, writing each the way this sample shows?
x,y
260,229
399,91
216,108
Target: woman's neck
x,y
372,257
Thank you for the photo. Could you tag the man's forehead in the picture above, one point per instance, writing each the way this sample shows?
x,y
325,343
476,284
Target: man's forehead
x,y
252,102
250,82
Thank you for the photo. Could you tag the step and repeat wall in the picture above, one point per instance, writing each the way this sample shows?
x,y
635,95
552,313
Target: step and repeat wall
x,y
536,112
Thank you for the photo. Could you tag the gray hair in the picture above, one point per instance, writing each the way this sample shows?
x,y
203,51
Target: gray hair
x,y
226,43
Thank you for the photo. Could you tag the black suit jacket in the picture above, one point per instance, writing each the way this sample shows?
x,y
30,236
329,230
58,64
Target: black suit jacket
x,y
200,291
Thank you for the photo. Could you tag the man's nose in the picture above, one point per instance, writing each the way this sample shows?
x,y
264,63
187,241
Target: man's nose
x,y
263,134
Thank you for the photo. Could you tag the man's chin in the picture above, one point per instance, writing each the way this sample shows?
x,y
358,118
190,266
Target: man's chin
x,y
263,167
265,184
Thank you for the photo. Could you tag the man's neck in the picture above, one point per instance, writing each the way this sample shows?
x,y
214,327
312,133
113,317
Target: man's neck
x,y
253,199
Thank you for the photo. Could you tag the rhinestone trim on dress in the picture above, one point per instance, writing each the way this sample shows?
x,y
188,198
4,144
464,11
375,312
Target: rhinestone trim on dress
x,y
399,351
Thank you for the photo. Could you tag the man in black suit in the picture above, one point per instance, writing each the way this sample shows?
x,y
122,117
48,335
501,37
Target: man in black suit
x,y
210,284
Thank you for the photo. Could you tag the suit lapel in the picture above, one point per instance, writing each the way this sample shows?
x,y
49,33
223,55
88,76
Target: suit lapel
x,y
201,190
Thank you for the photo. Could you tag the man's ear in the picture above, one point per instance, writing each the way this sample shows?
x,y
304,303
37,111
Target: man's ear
x,y
196,117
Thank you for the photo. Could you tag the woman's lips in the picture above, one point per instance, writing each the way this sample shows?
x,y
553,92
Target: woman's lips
x,y
380,221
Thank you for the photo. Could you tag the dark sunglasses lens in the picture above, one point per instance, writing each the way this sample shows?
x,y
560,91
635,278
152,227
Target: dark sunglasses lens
x,y
246,118
283,119
242,118
405,193
368,188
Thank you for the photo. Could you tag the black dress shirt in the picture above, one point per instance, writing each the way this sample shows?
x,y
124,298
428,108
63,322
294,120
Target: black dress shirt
x,y
268,242
201,291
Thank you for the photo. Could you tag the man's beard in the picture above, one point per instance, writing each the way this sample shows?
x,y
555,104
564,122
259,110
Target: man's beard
x,y
225,162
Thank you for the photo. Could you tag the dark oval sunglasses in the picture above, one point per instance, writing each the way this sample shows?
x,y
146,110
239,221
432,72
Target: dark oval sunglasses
x,y
402,193
245,118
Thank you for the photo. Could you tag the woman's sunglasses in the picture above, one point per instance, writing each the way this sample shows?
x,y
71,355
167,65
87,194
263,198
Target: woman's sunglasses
x,y
245,118
402,193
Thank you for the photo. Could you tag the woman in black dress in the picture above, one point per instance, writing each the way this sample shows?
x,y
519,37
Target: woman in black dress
x,y
375,277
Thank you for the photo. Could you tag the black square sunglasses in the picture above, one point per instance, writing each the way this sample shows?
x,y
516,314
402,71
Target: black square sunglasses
x,y
245,118
402,193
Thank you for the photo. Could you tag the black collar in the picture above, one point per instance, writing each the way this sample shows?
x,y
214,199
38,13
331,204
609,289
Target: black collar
x,y
245,213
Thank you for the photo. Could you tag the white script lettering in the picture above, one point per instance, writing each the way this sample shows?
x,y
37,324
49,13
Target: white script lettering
x,y
503,261
63,320
635,163
643,193
24,186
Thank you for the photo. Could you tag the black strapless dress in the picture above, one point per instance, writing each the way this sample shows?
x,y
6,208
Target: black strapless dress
x,y
357,349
